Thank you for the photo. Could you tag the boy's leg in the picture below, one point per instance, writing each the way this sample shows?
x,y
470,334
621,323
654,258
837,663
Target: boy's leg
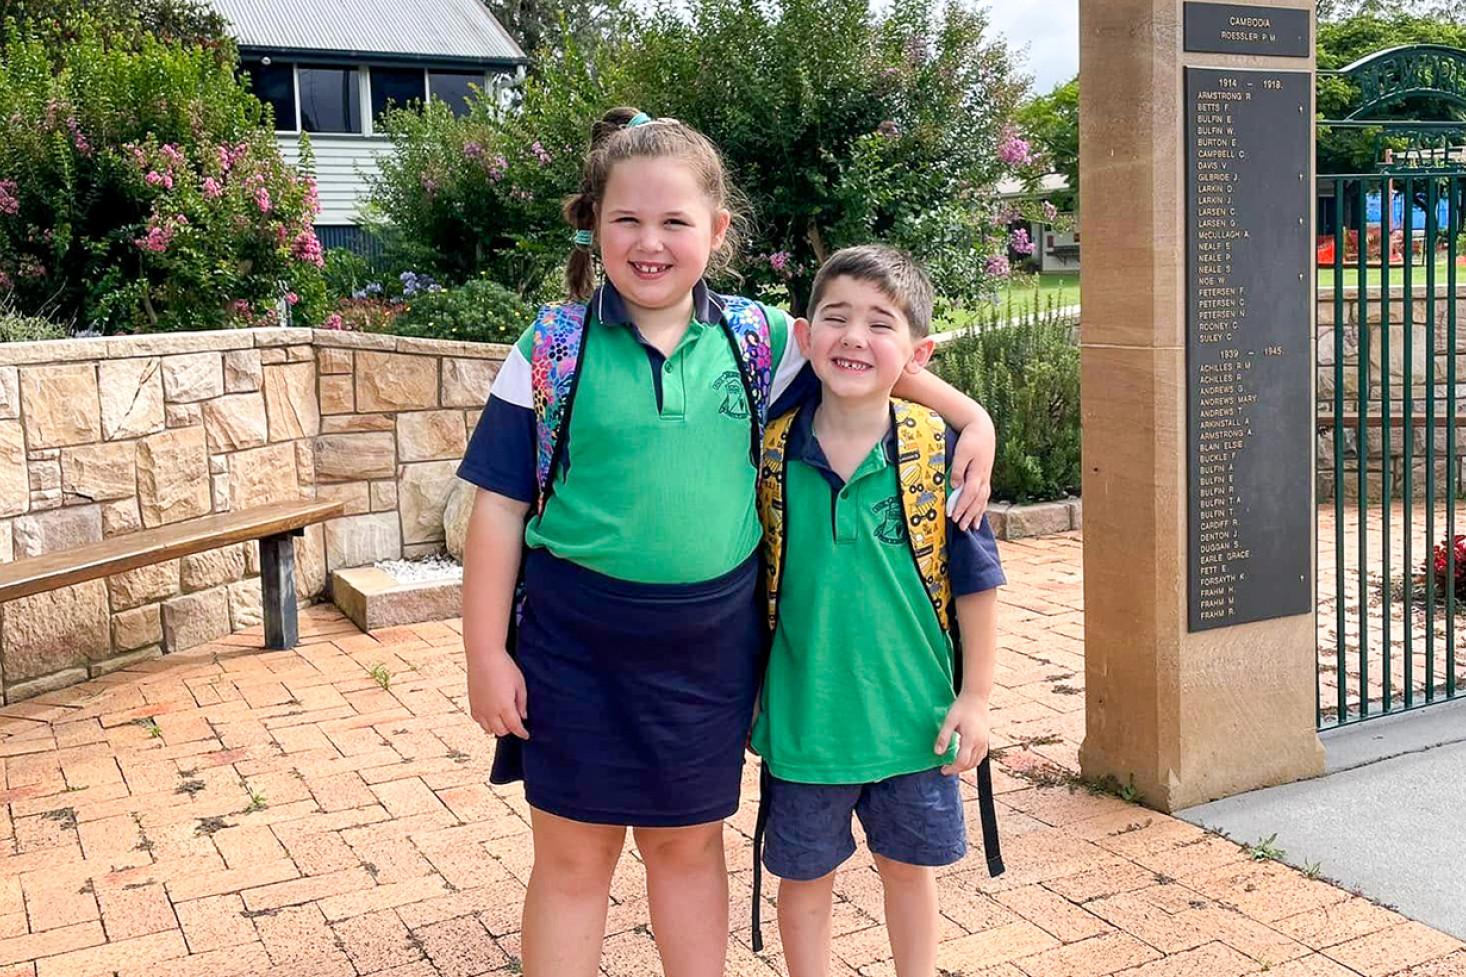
x,y
687,889
911,915
913,823
569,891
805,922
807,837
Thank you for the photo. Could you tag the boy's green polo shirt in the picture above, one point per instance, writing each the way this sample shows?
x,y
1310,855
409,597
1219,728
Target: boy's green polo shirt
x,y
655,484
860,674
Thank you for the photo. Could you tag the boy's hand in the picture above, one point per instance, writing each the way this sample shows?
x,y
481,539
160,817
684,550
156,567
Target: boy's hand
x,y
968,717
972,470
496,694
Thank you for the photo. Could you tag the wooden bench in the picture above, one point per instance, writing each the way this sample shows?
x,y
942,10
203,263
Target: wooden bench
x,y
273,525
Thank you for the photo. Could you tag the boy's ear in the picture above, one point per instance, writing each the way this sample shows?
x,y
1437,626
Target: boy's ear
x,y
801,335
921,354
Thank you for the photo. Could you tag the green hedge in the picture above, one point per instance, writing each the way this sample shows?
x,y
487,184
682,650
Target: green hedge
x,y
1025,371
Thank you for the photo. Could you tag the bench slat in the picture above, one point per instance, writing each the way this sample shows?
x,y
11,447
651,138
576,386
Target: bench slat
x,y
121,553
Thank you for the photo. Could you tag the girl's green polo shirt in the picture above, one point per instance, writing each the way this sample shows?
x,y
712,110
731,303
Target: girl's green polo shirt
x,y
655,484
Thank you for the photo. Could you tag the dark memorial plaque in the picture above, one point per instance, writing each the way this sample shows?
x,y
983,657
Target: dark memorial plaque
x,y
1239,28
1249,391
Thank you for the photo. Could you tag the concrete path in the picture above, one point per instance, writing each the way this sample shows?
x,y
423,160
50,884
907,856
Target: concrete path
x,y
231,811
1389,819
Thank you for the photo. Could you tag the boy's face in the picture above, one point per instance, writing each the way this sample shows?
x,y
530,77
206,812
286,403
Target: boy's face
x,y
859,342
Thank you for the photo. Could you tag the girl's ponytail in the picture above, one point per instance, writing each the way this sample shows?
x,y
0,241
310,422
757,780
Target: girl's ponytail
x,y
580,271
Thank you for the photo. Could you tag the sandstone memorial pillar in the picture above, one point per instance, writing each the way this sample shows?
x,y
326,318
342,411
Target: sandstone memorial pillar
x,y
1197,334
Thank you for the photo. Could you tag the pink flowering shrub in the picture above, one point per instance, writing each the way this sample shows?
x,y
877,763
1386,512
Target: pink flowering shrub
x,y
141,189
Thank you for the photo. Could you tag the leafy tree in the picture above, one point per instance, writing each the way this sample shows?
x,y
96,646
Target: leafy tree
x,y
839,124
1052,121
1342,42
550,25
129,21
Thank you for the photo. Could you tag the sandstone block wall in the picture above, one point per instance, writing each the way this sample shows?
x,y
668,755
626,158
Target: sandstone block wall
x,y
103,437
1362,330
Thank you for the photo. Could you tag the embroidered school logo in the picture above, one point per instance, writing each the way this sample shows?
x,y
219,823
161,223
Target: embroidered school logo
x,y
892,527
734,404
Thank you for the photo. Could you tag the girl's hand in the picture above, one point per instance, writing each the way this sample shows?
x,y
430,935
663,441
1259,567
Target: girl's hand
x,y
968,717
496,693
972,471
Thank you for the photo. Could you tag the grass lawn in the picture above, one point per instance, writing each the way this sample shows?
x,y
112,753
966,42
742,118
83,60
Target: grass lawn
x,y
1397,274
1021,294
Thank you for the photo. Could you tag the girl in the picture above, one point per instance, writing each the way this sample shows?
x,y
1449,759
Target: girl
x,y
637,652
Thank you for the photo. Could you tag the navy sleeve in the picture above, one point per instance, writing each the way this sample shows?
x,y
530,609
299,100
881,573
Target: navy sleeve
x,y
803,389
973,565
501,454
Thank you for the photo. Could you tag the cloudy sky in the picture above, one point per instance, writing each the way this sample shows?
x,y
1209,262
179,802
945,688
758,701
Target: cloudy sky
x,y
1047,29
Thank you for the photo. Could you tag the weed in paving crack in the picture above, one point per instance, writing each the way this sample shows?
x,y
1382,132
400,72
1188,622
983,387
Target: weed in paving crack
x,y
144,843
151,725
189,787
65,816
208,826
457,755
1264,849
73,788
381,675
1067,690
257,802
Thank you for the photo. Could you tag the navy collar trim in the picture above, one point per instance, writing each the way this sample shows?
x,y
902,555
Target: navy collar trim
x,y
607,305
804,446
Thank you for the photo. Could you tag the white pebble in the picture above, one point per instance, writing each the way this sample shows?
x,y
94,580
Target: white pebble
x,y
425,569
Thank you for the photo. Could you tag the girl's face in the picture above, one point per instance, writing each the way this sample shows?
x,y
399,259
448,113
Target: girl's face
x,y
657,229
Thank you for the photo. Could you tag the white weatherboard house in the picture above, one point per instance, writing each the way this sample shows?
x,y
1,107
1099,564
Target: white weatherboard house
x,y
329,68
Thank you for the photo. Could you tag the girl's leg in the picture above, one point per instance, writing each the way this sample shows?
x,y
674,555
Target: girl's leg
x,y
569,891
805,922
911,916
687,887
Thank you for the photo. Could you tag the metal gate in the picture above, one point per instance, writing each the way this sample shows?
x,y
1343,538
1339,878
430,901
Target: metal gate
x,y
1390,466
1390,461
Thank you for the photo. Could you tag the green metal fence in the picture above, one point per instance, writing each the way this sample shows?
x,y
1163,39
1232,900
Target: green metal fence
x,y
1389,466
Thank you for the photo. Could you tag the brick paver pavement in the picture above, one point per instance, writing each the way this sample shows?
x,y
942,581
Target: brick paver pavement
x,y
231,811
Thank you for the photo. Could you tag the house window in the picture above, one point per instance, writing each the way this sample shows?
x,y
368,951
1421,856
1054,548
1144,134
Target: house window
x,y
395,86
274,84
452,87
330,99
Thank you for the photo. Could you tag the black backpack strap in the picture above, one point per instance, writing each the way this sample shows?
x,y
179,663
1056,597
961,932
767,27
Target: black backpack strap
x,y
989,814
759,825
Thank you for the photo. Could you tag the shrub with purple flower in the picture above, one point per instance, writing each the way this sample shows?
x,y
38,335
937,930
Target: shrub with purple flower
x,y
152,192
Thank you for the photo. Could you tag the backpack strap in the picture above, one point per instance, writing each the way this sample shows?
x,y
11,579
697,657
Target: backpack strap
x,y
748,330
559,341
771,486
921,447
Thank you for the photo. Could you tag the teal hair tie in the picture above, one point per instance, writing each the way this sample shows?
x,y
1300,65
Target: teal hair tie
x,y
583,238
639,119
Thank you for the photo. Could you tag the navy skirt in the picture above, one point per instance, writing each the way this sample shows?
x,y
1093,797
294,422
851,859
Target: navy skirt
x,y
640,696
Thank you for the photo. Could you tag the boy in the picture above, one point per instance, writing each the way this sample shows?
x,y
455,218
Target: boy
x,y
858,708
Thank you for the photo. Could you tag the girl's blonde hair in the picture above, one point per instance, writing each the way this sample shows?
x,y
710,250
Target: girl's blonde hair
x,y
613,141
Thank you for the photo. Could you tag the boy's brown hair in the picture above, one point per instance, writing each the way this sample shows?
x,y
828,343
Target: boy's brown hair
x,y
894,272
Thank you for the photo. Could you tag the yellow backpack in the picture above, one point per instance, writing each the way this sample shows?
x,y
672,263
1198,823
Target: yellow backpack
x,y
921,452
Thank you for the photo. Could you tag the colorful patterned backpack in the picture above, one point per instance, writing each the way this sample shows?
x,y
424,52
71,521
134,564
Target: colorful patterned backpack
x,y
921,452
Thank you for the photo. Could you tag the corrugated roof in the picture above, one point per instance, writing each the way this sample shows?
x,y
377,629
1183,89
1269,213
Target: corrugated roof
x,y
446,29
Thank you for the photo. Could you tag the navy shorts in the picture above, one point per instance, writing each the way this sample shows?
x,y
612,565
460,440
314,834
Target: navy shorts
x,y
915,819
